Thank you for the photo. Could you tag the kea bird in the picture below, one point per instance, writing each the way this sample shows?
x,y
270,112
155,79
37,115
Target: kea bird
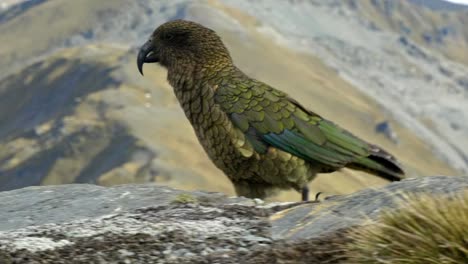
x,y
260,137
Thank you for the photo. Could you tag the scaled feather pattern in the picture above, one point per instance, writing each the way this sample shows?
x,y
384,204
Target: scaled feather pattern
x,y
260,137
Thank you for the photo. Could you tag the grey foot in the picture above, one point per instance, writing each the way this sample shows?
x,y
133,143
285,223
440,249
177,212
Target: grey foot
x,y
305,194
317,196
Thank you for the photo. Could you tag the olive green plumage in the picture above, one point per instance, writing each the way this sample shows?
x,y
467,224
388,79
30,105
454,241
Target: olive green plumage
x,y
259,136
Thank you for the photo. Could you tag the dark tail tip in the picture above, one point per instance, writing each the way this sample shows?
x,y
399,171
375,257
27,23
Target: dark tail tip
x,y
393,170
397,173
380,163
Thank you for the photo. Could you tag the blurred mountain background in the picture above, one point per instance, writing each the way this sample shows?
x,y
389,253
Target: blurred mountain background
x,y
74,109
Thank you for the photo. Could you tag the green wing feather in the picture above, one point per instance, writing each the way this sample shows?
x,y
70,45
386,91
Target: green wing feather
x,y
277,120
269,117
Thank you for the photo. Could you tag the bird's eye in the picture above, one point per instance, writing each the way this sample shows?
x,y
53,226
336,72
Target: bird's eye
x,y
168,36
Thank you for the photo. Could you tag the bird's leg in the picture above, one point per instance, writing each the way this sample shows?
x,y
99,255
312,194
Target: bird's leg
x,y
305,193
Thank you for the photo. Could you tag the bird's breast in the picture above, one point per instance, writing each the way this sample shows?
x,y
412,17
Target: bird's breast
x,y
211,125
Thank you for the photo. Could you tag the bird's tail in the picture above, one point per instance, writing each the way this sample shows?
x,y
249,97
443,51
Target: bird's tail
x,y
380,163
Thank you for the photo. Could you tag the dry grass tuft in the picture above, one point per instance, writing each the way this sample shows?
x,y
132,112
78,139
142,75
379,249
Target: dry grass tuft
x,y
426,229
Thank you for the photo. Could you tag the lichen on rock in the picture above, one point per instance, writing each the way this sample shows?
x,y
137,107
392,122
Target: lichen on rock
x,y
142,224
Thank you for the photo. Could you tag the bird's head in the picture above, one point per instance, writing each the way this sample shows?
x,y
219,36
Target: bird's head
x,y
182,43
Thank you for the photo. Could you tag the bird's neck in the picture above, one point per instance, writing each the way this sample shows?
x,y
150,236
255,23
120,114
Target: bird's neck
x,y
188,77
195,87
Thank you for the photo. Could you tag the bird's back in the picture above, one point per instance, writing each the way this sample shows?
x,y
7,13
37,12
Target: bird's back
x,y
270,118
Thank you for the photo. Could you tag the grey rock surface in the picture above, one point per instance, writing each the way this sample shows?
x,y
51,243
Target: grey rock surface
x,y
63,203
154,224
342,212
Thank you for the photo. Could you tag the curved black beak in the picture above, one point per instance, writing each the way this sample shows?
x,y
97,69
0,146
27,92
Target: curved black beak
x,y
146,55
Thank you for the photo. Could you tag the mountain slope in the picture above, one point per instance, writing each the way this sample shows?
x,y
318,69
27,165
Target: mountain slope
x,y
74,108
417,85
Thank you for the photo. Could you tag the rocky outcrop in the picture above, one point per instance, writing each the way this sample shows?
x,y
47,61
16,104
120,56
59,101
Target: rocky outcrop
x,y
154,224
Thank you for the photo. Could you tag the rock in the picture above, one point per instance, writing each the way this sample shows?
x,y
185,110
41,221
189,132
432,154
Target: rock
x,y
342,212
155,224
64,203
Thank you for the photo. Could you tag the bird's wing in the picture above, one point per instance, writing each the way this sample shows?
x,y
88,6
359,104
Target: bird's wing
x,y
269,117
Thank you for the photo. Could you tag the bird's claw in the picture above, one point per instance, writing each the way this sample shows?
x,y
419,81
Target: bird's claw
x,y
317,196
